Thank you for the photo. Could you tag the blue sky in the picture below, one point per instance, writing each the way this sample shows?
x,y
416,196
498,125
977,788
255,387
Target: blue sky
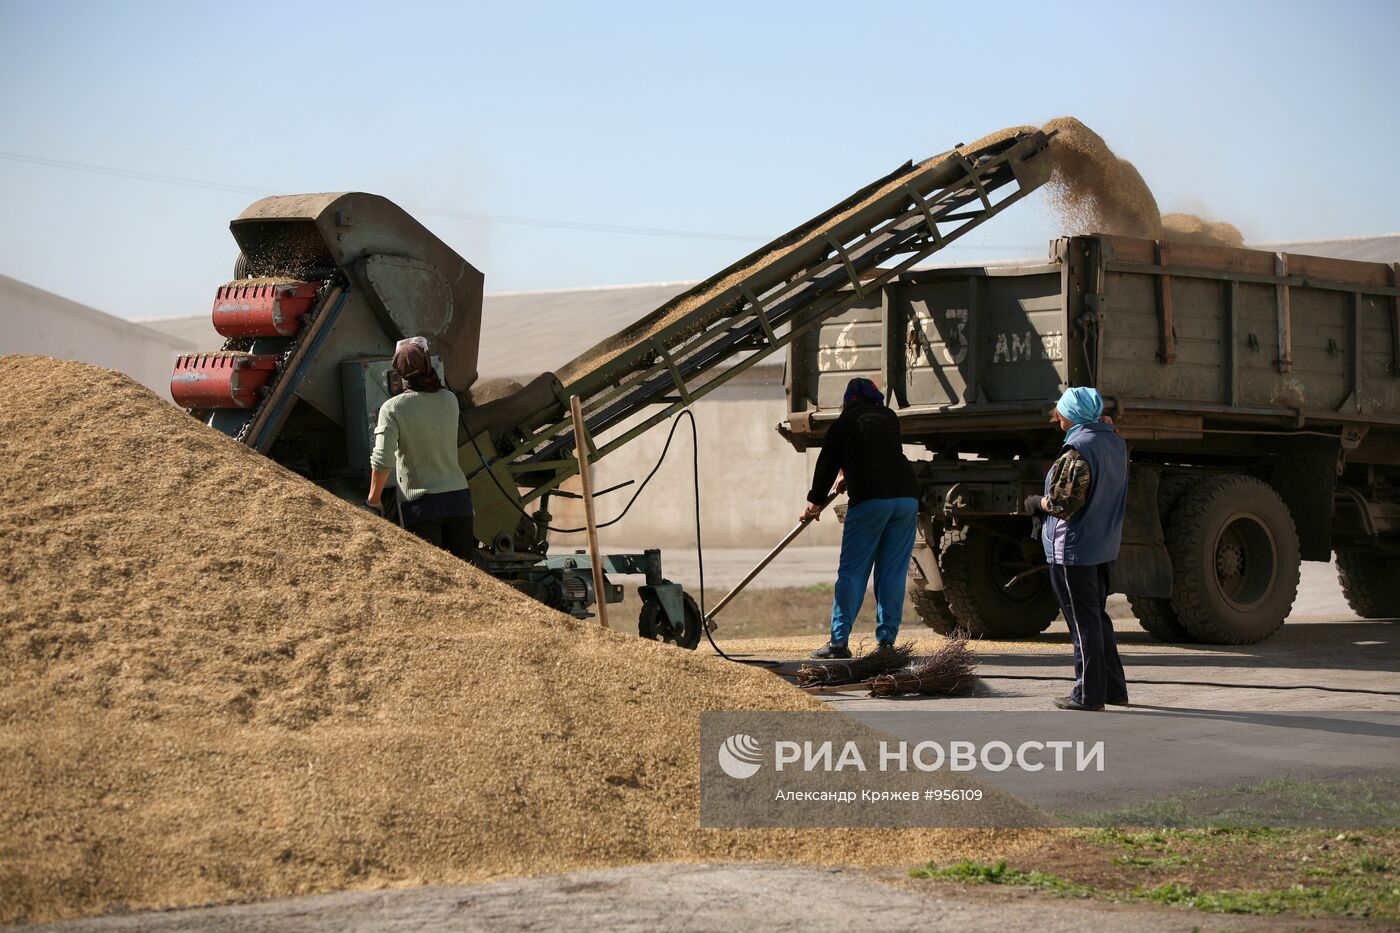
x,y
719,118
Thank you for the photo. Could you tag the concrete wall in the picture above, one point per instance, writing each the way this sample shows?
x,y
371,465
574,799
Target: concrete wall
x,y
753,485
33,321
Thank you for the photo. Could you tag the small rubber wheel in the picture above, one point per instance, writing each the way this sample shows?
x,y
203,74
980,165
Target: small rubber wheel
x,y
654,625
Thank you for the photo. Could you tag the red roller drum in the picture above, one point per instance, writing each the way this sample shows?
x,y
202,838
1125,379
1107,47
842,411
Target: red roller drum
x,y
262,309
221,380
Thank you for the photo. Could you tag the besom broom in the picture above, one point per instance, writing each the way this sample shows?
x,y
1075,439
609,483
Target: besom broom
x,y
948,671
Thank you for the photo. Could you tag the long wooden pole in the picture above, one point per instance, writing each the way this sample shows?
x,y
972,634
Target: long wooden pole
x,y
768,558
581,452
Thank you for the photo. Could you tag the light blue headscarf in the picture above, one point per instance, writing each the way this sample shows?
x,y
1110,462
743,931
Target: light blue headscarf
x,y
1080,405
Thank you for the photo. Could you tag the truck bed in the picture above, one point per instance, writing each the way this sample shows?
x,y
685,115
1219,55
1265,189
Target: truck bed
x,y
1183,340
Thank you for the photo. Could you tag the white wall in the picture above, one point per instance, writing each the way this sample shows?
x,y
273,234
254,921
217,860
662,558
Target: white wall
x,y
753,485
33,321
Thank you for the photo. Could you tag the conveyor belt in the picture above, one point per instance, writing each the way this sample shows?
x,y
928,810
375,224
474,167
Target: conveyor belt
x,y
726,324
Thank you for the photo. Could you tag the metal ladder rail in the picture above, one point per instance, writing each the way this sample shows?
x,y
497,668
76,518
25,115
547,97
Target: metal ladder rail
x,y
1022,162
563,464
766,315
858,215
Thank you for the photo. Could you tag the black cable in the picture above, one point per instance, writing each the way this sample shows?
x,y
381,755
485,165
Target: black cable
x,y
700,551
612,521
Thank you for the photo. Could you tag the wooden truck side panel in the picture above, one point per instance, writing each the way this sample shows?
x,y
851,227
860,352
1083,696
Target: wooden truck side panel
x,y
1192,332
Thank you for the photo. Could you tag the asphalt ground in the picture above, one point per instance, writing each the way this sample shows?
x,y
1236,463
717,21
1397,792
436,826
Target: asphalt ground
x,y
1319,701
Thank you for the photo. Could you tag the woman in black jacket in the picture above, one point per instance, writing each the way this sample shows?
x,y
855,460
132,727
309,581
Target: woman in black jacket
x,y
864,446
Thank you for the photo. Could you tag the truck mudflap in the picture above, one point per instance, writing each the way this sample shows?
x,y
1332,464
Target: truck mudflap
x,y
1143,568
923,567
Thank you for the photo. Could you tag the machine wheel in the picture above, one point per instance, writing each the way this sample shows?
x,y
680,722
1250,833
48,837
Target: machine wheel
x,y
1158,619
1370,581
976,564
653,625
1235,561
932,609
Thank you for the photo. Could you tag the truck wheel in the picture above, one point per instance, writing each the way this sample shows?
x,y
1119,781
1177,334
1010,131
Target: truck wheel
x,y
1158,619
1170,489
1370,581
932,609
976,564
1235,561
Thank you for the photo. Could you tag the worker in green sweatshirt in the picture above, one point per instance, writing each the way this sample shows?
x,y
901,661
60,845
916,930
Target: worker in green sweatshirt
x,y
416,435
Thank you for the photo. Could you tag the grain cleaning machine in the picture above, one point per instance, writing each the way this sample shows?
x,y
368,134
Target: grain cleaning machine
x,y
326,283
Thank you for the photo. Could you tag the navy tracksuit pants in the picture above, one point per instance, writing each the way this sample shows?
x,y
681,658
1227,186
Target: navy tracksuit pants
x,y
1098,671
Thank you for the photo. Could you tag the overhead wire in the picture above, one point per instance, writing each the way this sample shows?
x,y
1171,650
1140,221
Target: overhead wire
x,y
470,216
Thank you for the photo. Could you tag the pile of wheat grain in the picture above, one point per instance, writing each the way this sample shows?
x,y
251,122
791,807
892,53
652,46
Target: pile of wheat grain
x,y
220,682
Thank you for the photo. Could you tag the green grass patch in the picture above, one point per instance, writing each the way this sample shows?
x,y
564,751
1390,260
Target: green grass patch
x,y
1342,900
1157,839
1370,891
1154,862
973,872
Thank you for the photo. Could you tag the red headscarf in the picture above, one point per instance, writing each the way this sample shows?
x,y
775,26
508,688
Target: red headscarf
x,y
415,366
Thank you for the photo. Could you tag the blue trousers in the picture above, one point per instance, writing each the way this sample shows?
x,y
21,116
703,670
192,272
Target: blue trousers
x,y
879,534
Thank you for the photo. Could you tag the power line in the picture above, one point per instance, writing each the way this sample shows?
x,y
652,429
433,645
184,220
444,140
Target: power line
x,y
459,215
177,180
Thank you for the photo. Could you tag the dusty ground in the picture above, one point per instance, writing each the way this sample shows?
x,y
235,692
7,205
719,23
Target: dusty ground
x,y
742,896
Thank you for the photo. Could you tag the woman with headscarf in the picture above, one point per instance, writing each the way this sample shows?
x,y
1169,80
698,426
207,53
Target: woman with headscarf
x,y
1086,493
864,446
416,434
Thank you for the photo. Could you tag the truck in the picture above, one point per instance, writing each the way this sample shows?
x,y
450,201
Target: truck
x,y
1258,391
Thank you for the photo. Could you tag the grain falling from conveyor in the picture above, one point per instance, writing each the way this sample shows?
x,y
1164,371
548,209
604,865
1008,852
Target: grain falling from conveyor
x,y
1092,190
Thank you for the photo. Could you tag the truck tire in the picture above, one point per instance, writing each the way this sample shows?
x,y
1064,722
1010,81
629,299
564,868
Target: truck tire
x,y
932,608
1235,561
1158,619
1370,581
974,562
1155,614
1170,489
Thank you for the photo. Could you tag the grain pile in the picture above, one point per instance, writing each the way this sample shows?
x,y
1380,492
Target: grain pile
x,y
220,683
1094,191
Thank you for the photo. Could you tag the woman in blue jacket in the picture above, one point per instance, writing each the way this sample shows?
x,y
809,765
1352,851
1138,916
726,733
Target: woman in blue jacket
x,y
1086,493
